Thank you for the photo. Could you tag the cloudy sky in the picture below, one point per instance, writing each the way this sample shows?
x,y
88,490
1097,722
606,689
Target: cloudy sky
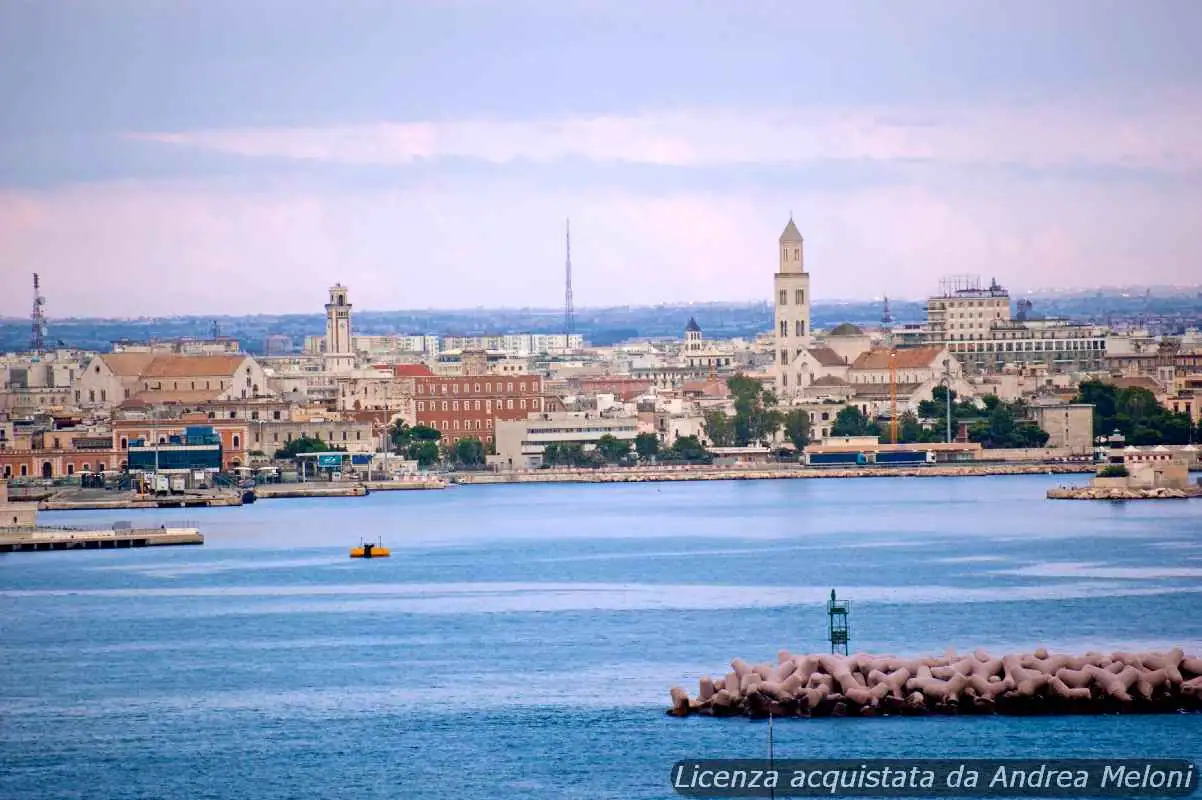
x,y
235,156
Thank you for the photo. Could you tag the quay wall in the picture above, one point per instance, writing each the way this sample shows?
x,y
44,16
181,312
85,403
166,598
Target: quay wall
x,y
764,472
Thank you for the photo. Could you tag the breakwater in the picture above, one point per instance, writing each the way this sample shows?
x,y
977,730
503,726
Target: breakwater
x,y
1122,493
1021,684
15,540
767,472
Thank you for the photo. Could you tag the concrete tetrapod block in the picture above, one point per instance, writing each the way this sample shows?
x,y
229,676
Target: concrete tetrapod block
x,y
1019,683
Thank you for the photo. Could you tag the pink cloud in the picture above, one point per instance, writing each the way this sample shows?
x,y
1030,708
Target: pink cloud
x,y
1157,135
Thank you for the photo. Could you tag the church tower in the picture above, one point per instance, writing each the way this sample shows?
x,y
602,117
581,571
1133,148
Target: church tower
x,y
339,349
791,299
692,337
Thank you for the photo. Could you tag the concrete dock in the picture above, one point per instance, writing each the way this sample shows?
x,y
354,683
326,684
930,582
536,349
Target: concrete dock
x,y
31,539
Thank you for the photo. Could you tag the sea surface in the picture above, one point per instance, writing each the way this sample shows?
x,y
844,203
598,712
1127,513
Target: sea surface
x,y
521,641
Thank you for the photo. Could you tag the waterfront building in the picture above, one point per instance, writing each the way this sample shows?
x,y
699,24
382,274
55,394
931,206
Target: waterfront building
x,y
136,421
472,404
16,515
1068,425
791,301
521,442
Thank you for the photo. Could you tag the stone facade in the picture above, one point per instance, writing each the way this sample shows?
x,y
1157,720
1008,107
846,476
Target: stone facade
x,y
791,300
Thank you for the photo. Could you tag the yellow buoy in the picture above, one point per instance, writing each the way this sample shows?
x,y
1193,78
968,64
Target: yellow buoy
x,y
369,550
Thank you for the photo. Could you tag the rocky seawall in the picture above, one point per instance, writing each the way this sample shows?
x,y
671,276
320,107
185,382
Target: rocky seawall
x,y
1023,684
1121,493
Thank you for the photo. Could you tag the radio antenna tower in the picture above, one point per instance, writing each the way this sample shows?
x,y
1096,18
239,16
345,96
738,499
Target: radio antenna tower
x,y
569,313
37,338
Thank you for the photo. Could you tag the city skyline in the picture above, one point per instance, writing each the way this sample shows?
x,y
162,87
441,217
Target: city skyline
x,y
240,158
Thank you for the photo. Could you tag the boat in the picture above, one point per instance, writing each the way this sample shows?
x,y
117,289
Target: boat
x,y
370,550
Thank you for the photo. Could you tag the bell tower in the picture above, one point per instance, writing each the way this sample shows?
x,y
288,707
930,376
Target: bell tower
x,y
339,348
791,301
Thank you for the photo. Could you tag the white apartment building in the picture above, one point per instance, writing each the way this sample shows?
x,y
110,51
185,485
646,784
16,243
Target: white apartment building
x,y
517,344
520,443
976,325
963,311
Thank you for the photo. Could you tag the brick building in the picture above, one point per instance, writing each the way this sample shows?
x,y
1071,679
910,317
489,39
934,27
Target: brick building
x,y
463,406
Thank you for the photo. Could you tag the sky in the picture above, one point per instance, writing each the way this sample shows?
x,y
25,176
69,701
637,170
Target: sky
x,y
166,157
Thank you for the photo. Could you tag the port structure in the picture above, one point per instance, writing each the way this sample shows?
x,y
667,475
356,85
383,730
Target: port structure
x,y
837,628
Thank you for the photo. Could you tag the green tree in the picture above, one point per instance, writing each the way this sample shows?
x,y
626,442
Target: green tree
x,y
646,445
424,433
305,444
719,427
911,431
565,454
690,449
612,449
425,453
1004,427
850,421
469,452
756,419
400,434
797,427
1135,413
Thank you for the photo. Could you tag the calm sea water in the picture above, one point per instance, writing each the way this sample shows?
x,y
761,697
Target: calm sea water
x,y
522,640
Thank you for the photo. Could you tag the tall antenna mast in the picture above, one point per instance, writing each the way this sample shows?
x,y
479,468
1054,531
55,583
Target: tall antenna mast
x,y
37,338
569,313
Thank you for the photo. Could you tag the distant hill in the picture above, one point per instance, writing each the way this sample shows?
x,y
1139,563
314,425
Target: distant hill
x,y
600,326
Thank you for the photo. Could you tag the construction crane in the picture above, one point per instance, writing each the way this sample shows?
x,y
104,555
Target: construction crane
x,y
893,396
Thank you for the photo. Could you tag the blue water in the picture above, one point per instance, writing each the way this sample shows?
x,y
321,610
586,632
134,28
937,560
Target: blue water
x,y
522,640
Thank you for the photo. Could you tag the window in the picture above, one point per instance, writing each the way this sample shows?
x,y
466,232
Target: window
x,y
488,387
444,405
523,402
522,386
421,405
455,388
509,387
275,415
784,379
784,327
799,328
456,424
344,436
454,405
358,436
509,403
237,441
799,296
476,388
784,296
124,443
421,388
91,395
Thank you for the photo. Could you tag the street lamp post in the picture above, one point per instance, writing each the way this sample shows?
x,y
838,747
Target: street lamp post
x,y
947,385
